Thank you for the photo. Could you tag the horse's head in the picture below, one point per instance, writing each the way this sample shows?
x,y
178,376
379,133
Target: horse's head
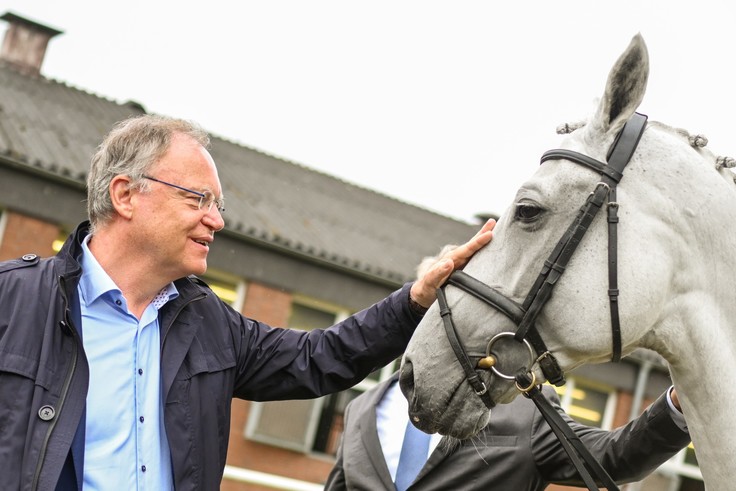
x,y
575,322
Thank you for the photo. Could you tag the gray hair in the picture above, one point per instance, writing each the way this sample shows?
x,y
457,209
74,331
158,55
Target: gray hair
x,y
131,148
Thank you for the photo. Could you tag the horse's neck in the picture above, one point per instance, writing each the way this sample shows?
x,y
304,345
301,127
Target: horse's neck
x,y
696,332
699,334
702,360
707,396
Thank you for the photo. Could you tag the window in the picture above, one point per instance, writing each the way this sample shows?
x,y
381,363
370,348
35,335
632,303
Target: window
x,y
680,473
330,423
59,242
594,405
230,289
3,223
588,403
310,425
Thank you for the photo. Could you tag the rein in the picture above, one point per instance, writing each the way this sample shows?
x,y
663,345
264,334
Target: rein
x,y
571,443
525,315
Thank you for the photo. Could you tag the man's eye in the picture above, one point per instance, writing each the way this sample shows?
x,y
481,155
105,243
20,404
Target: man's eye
x,y
527,212
194,200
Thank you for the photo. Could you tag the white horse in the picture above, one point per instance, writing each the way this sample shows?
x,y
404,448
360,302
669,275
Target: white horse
x,y
676,276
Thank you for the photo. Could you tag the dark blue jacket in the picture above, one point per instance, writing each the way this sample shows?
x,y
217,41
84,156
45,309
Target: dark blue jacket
x,y
209,354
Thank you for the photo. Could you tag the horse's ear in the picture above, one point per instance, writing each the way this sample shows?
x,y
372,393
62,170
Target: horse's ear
x,y
625,89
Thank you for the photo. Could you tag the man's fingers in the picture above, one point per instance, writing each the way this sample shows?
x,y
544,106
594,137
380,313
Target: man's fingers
x,y
462,254
440,272
423,291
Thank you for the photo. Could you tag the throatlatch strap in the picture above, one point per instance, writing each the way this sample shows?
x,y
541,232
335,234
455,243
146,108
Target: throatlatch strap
x,y
621,152
613,275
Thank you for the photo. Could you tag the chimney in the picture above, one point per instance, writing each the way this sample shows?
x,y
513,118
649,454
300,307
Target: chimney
x,y
25,43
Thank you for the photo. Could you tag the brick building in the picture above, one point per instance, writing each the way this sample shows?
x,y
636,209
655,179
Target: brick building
x,y
300,249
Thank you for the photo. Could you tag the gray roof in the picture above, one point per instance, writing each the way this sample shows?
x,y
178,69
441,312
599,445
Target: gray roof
x,y
54,128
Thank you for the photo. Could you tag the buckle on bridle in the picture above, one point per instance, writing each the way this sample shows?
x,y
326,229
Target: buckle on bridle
x,y
530,387
483,390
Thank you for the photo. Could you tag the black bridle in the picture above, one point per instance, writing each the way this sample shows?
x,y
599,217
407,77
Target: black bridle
x,y
525,315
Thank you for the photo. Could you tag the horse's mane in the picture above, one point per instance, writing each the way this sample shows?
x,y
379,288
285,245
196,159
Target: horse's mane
x,y
699,141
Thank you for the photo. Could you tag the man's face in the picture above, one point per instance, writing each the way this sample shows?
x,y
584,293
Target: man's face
x,y
173,233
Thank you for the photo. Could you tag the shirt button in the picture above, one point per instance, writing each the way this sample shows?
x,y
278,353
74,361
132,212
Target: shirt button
x,y
143,468
141,419
140,371
118,302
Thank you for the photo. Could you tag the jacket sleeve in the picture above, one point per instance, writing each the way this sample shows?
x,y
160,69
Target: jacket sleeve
x,y
628,453
278,364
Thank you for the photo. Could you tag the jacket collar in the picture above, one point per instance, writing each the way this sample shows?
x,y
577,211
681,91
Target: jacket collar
x,y
67,265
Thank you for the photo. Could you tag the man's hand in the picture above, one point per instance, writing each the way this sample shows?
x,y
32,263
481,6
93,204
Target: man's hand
x,y
675,399
424,290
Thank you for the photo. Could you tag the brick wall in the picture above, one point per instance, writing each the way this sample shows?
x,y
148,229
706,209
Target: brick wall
x,y
272,307
23,234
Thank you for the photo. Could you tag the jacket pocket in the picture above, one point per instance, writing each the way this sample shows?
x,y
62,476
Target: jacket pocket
x,y
485,440
197,411
29,368
198,361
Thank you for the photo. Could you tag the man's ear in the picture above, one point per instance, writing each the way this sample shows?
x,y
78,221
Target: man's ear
x,y
121,196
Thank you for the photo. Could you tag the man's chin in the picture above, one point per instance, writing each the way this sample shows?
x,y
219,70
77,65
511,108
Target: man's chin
x,y
196,268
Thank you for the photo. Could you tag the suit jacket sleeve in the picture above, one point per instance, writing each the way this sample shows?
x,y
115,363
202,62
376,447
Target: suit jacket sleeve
x,y
627,453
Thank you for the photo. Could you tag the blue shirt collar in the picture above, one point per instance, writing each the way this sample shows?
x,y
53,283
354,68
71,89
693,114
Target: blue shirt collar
x,y
96,283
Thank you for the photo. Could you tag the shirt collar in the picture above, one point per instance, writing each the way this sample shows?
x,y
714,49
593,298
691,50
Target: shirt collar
x,y
95,282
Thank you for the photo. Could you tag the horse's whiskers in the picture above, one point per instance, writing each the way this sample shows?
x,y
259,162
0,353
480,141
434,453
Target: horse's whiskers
x,y
475,439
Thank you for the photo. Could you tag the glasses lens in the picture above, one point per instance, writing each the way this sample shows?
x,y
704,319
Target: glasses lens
x,y
208,200
205,201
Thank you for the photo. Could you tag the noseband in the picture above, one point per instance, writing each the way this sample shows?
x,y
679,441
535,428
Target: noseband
x,y
525,315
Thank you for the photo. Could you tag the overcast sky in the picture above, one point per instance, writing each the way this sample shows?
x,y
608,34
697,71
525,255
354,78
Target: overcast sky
x,y
447,105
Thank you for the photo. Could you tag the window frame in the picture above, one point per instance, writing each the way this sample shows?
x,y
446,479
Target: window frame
x,y
579,383
215,278
252,430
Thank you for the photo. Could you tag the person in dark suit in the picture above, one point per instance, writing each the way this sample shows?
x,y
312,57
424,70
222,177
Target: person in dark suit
x,y
516,451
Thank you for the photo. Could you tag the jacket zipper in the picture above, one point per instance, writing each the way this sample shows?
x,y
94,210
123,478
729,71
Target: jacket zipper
x,y
65,387
72,367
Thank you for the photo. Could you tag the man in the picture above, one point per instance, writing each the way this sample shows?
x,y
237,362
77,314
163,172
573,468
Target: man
x,y
516,451
117,366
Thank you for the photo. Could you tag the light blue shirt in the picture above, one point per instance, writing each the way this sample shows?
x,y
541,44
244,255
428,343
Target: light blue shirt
x,y
125,442
392,414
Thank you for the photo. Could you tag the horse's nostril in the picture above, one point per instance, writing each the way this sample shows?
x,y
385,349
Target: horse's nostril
x,y
406,379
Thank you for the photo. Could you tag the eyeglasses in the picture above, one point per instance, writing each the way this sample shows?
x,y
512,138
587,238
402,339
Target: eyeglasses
x,y
206,199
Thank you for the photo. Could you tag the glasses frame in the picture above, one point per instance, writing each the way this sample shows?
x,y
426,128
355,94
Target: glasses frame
x,y
205,201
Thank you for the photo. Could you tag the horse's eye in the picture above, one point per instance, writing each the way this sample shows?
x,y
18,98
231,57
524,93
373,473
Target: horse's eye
x,y
527,212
